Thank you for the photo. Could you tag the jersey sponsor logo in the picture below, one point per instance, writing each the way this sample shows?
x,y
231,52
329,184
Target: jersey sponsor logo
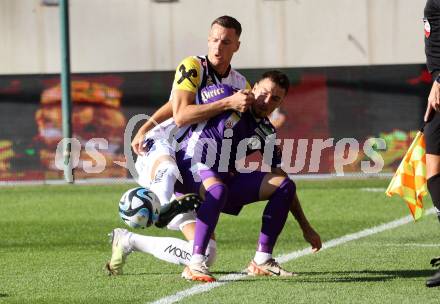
x,y
180,253
211,93
427,27
186,74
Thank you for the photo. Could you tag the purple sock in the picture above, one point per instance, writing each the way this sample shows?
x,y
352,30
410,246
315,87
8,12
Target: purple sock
x,y
207,216
275,215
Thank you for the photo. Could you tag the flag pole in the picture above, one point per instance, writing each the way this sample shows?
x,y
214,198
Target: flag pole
x,y
66,104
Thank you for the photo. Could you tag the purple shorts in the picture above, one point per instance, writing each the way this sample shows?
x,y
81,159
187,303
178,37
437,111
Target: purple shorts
x,y
243,188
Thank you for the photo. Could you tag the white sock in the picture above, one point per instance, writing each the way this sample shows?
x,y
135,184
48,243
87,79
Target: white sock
x,y
197,259
163,182
211,252
168,249
262,257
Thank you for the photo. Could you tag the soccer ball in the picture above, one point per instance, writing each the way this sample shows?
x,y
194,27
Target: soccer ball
x,y
139,207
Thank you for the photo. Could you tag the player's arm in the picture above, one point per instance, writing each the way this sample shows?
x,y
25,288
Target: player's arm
x,y
186,112
432,51
309,234
185,86
162,114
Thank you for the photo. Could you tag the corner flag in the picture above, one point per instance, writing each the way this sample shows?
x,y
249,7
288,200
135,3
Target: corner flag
x,y
409,181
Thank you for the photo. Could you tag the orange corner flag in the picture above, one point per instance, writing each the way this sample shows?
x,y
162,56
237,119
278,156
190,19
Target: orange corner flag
x,y
409,181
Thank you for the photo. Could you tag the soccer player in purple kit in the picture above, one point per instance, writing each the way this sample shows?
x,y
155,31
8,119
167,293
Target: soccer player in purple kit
x,y
208,158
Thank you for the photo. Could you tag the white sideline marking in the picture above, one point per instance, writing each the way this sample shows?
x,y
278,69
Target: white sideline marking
x,y
288,257
374,189
409,245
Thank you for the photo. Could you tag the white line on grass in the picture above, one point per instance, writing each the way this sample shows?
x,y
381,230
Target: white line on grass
x,y
287,257
367,244
408,245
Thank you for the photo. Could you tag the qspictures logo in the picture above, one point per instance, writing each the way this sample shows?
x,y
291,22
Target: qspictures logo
x,y
346,152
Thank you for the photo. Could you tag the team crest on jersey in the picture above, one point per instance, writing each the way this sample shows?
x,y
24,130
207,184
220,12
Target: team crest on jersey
x,y
232,121
192,73
427,27
209,81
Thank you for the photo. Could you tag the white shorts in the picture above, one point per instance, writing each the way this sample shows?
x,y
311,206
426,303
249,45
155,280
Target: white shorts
x,y
144,163
179,221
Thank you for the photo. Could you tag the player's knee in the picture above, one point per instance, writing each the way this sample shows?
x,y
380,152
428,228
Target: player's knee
x,y
217,193
434,190
287,188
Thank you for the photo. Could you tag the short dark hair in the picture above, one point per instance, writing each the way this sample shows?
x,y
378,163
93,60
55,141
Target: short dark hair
x,y
277,77
228,22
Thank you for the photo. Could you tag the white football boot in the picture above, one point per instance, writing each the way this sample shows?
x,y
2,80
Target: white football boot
x,y
198,272
269,268
119,240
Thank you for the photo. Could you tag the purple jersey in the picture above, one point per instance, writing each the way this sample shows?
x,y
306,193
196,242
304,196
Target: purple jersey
x,y
218,143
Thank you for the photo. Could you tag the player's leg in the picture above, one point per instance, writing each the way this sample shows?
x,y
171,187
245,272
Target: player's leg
x,y
280,192
158,171
189,230
432,138
124,242
174,250
164,174
433,178
168,249
214,193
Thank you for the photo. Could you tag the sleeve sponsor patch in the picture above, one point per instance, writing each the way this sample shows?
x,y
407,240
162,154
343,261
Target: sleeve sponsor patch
x,y
187,75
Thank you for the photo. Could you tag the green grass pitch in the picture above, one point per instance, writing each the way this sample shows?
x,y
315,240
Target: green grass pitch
x,y
53,245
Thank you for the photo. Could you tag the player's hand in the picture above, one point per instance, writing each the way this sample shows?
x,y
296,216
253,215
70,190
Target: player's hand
x,y
241,100
313,238
136,144
433,100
